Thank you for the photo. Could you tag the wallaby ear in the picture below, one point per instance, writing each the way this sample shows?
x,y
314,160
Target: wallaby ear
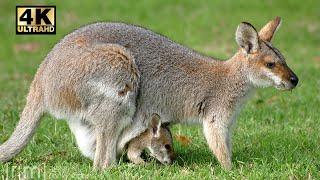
x,y
247,38
268,31
155,124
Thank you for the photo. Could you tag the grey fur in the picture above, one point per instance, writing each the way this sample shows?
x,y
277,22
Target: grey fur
x,y
114,97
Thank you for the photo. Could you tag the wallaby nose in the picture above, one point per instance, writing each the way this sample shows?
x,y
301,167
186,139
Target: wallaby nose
x,y
167,162
294,80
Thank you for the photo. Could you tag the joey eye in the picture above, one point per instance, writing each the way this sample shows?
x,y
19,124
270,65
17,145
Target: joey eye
x,y
167,146
270,64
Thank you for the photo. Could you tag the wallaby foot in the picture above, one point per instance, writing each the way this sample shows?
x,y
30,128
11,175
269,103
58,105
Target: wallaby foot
x,y
134,156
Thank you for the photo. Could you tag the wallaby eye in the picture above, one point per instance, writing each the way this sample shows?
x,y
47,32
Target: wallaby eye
x,y
167,146
270,64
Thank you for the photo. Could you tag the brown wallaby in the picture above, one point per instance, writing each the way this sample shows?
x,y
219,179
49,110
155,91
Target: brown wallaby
x,y
157,139
107,79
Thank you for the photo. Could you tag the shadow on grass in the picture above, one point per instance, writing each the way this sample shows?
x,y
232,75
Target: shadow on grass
x,y
194,156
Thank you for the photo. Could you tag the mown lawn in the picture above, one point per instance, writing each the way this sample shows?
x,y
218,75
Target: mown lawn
x,y
277,135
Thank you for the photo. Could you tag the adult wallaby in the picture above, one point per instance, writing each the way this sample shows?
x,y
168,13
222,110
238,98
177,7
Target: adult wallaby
x,y
107,77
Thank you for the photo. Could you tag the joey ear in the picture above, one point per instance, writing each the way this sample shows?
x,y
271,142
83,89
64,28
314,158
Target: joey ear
x,y
155,124
267,32
247,38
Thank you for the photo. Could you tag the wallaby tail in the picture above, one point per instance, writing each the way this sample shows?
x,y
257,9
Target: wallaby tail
x,y
29,122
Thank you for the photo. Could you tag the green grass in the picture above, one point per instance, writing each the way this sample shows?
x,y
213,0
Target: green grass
x,y
277,135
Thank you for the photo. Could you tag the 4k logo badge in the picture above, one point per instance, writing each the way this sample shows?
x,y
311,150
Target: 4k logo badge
x,y
36,20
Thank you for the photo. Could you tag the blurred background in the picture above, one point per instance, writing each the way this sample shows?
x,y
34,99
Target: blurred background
x,y
276,128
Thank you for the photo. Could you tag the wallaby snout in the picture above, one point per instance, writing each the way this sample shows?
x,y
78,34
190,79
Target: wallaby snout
x,y
294,79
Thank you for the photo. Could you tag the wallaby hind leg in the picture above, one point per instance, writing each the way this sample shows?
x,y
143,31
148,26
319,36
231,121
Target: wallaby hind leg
x,y
108,119
106,143
105,148
218,138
